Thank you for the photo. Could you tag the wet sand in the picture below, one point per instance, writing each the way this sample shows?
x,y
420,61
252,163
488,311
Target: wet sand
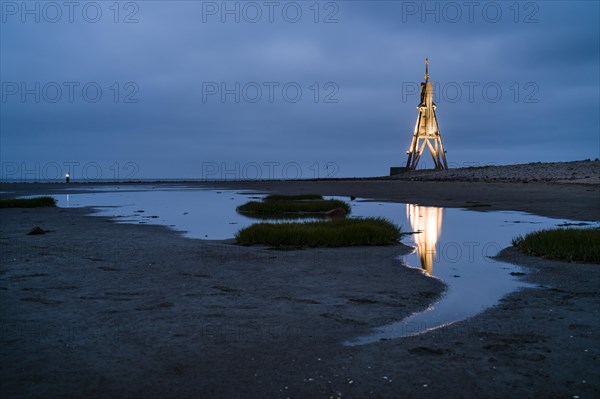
x,y
99,309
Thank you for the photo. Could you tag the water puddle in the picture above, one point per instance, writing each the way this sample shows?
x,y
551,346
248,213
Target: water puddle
x,y
453,245
196,213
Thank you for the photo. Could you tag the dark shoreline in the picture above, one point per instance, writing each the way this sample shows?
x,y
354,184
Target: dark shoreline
x,y
558,200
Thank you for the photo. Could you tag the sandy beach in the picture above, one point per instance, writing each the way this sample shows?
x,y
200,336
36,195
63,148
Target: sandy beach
x,y
99,309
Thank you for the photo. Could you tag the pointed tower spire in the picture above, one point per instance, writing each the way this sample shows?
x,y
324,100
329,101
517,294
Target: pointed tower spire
x,y
427,130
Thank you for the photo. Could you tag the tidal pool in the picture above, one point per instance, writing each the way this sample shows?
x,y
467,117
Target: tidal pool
x,y
196,213
453,245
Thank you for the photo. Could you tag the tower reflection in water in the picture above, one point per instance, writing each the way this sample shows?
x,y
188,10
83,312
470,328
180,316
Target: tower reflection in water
x,y
426,222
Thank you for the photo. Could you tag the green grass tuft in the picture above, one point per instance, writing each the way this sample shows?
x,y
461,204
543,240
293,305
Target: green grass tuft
x,y
290,208
27,202
332,233
567,244
276,197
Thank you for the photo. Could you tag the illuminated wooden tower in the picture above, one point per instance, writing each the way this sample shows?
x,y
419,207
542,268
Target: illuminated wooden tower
x,y
427,130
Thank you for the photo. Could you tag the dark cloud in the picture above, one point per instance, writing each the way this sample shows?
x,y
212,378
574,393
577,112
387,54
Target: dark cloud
x,y
359,115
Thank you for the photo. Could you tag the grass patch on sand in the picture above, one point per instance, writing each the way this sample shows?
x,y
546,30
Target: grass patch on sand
x,y
326,233
566,244
36,202
290,207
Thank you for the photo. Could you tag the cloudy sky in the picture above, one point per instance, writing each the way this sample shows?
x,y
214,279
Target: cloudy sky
x,y
290,89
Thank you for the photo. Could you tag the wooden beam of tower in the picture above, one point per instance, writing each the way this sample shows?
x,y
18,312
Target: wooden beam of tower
x,y
427,130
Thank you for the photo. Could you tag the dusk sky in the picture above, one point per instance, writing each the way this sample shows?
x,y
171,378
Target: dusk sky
x,y
191,89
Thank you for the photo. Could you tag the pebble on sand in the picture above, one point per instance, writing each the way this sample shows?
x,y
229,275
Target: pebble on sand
x,y
36,230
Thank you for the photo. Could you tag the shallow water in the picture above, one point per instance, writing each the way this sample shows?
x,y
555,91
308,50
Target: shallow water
x,y
453,245
196,213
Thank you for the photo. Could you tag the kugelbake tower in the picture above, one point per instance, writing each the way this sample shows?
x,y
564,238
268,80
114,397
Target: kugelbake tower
x,y
427,130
